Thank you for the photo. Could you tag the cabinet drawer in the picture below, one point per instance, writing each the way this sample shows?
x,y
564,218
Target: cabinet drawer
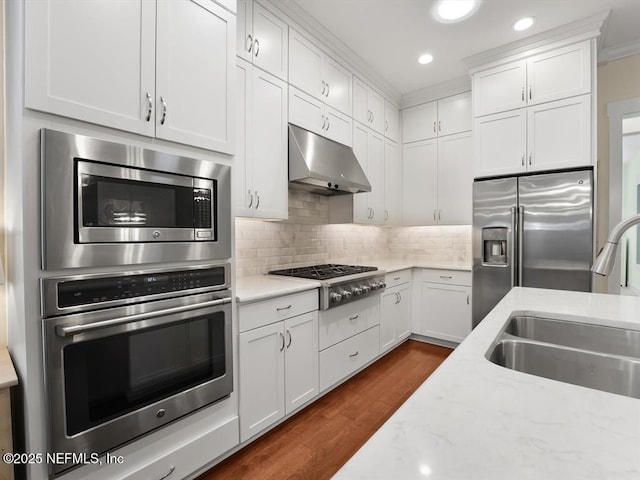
x,y
347,320
258,314
397,278
348,356
451,277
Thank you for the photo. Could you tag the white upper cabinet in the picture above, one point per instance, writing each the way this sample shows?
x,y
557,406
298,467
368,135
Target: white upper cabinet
x,y
368,106
420,183
316,73
392,183
368,147
455,179
500,143
391,121
160,69
262,38
260,178
446,116
552,75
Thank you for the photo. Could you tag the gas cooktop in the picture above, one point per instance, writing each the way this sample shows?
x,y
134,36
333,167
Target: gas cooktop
x,y
323,272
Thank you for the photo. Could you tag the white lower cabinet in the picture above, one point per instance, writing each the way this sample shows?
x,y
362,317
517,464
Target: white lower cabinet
x,y
395,312
445,305
278,369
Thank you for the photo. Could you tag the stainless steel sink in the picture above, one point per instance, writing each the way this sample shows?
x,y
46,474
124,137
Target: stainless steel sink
x,y
608,373
593,356
617,341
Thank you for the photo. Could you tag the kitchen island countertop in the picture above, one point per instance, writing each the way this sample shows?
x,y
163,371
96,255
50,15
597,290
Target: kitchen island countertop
x,y
473,419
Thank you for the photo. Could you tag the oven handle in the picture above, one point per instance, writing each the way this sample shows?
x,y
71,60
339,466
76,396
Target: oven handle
x,y
69,331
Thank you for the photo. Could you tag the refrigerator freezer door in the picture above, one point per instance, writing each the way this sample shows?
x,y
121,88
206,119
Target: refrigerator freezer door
x,y
493,246
557,242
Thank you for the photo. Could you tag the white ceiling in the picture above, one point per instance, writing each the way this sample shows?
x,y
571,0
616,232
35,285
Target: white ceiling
x,y
390,34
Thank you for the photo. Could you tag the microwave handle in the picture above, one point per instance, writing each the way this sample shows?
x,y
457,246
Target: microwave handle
x,y
77,329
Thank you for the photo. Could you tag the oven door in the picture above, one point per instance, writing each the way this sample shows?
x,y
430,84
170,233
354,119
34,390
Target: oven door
x,y
121,204
116,374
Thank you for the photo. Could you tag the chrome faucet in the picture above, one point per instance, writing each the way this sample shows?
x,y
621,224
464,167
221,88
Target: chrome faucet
x,y
607,256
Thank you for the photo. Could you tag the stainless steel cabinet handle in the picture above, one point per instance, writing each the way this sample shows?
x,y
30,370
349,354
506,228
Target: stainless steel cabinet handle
x,y
328,124
280,309
164,110
324,122
168,474
530,156
439,126
149,107
438,214
434,127
249,43
373,213
397,298
256,47
257,200
250,199
434,214
355,317
353,355
523,155
512,251
373,116
530,92
468,295
386,125
522,96
324,87
396,279
520,244
290,339
282,338
328,90
76,329
446,277
386,215
369,115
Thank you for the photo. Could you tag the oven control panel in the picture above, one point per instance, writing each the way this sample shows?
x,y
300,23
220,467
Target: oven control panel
x,y
350,291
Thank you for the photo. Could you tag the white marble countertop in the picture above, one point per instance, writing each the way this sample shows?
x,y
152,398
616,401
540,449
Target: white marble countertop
x,y
8,377
262,287
475,420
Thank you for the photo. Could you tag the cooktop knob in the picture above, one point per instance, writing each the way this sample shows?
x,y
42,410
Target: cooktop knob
x,y
347,295
335,297
366,289
357,291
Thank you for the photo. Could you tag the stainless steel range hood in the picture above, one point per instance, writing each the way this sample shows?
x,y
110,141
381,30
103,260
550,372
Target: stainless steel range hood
x,y
320,165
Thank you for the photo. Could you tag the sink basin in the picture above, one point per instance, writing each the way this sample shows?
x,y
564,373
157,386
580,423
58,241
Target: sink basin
x,y
616,341
605,372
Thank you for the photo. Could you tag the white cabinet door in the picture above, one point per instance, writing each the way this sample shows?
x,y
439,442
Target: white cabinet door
x,y
242,168
420,182
455,179
338,126
361,211
269,146
391,121
500,143
261,378
454,114
301,360
305,65
403,312
376,106
244,29
420,122
360,106
306,111
195,73
500,88
270,48
446,311
561,73
559,134
388,307
337,83
375,174
392,183
93,62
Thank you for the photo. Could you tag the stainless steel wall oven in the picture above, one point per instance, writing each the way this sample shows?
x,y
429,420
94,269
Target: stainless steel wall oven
x,y
105,203
128,353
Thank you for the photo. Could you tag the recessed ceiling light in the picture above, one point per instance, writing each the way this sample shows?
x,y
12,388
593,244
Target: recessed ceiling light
x,y
448,11
426,58
523,24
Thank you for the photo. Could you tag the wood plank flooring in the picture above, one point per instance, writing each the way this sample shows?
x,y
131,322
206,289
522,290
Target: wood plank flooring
x,y
317,441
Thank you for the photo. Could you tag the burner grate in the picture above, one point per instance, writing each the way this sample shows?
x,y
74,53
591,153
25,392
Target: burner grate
x,y
323,272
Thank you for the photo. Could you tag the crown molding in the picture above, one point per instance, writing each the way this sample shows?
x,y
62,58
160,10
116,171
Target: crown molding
x,y
587,28
435,92
298,18
618,51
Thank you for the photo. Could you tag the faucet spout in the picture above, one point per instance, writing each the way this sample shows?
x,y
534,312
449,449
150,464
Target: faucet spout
x,y
607,256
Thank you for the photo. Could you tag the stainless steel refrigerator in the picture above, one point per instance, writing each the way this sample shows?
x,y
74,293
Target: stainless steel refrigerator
x,y
531,231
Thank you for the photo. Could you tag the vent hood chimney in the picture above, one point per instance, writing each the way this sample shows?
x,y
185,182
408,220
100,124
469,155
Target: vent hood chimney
x,y
320,165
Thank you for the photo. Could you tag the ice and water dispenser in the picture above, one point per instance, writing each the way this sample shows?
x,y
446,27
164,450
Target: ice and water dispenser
x,y
494,246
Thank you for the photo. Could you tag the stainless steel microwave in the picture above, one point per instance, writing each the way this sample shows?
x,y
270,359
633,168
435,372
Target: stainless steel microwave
x,y
105,203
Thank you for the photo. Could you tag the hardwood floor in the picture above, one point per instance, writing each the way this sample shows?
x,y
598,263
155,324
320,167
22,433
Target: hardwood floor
x,y
317,441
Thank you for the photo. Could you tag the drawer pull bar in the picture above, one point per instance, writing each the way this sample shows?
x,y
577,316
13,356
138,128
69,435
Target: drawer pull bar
x,y
280,309
396,278
449,277
355,317
168,474
354,355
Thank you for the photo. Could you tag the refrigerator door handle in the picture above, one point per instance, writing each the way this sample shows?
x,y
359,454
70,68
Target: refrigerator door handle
x,y
520,244
512,243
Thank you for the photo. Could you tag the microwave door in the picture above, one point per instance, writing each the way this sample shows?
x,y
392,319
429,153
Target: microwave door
x,y
122,204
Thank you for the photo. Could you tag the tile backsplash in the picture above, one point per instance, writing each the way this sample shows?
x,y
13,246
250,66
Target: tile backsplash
x,y
306,238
